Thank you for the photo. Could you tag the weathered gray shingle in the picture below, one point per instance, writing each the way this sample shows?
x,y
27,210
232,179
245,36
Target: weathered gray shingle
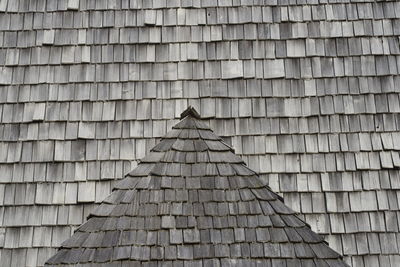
x,y
76,76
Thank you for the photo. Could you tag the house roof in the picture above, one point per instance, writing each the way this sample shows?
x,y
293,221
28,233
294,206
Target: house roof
x,y
306,91
192,201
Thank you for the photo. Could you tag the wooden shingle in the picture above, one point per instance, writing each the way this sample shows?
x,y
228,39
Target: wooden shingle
x,y
185,230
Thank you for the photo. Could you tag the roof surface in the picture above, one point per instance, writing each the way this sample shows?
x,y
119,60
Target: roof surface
x,y
306,91
191,201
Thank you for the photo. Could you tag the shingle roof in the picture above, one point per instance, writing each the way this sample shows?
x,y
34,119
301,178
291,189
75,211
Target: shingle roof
x,y
306,91
192,201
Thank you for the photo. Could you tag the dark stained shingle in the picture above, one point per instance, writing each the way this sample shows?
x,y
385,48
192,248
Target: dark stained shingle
x,y
257,216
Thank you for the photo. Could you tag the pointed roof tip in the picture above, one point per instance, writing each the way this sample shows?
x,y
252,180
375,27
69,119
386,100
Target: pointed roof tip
x,y
190,111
